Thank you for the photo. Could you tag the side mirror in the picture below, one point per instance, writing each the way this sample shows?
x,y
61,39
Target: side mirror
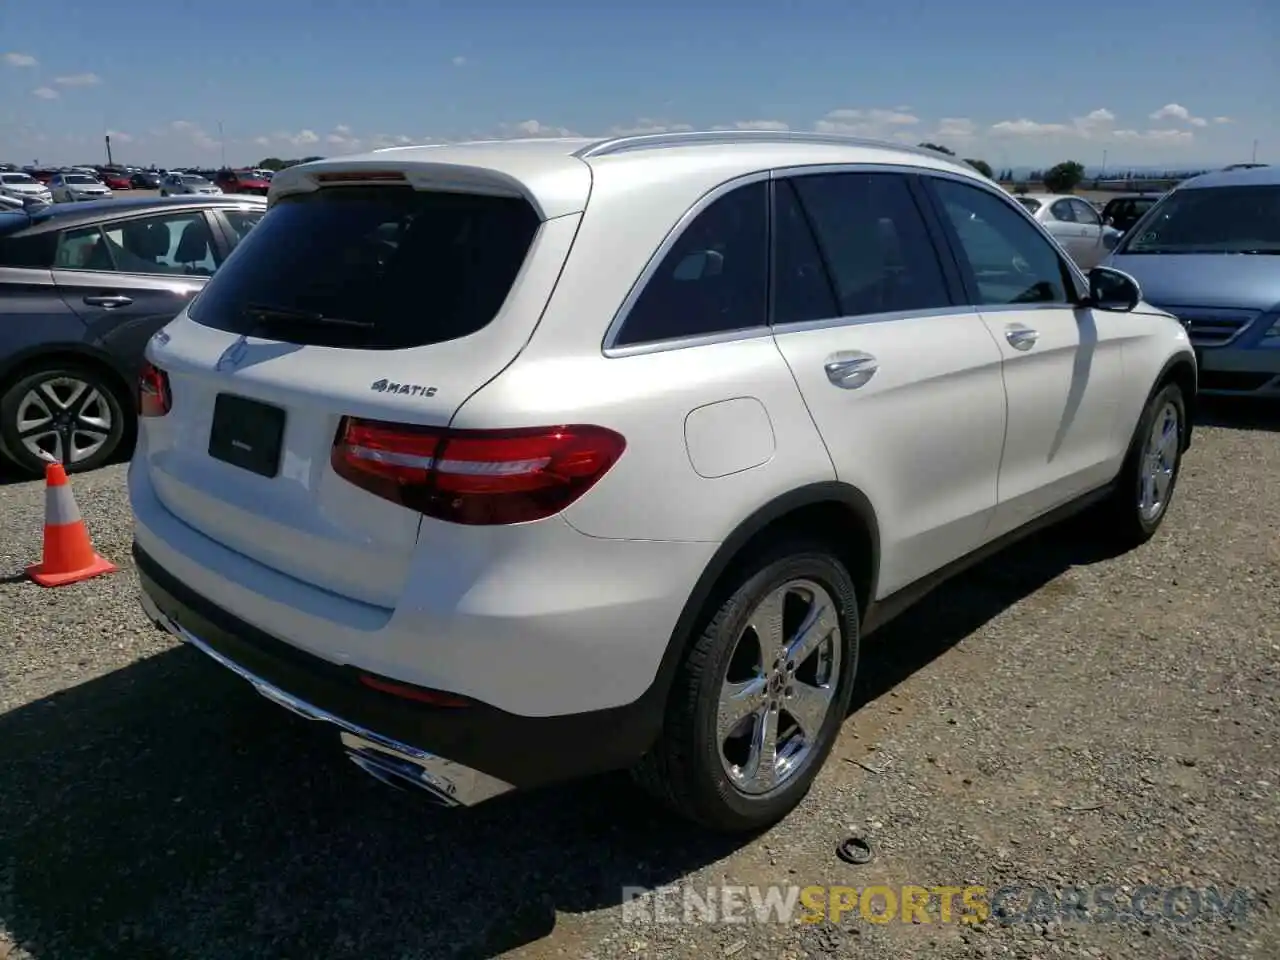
x,y
1111,289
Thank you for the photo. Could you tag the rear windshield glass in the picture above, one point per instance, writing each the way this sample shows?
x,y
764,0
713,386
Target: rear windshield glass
x,y
1032,205
371,267
1242,220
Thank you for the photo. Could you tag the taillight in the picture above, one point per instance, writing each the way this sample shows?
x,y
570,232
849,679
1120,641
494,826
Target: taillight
x,y
154,398
475,476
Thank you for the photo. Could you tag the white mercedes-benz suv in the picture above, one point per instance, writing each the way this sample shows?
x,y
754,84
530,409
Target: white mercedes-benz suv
x,y
520,461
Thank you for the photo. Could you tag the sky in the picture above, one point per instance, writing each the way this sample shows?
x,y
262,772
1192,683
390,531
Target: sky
x,y
1134,82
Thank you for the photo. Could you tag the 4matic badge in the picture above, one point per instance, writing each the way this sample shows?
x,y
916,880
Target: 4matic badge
x,y
412,389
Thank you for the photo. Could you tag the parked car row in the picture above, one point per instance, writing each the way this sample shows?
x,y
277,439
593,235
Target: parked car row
x,y
82,289
75,184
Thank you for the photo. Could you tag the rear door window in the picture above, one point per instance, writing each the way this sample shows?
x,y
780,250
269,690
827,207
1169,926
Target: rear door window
x,y
714,279
372,268
874,241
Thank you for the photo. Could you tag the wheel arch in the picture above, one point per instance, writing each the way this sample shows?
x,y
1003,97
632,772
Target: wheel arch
x,y
838,512
43,355
1181,369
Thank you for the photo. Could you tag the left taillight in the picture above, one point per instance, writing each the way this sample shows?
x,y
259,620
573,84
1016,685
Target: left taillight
x,y
154,398
475,476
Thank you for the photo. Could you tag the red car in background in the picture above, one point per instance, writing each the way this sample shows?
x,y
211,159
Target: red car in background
x,y
116,179
242,181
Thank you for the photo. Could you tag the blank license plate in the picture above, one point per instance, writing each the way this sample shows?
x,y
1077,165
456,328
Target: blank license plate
x,y
247,434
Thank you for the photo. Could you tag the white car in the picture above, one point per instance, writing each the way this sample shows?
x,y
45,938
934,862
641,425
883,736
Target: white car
x,y
519,461
1075,224
22,187
74,187
177,184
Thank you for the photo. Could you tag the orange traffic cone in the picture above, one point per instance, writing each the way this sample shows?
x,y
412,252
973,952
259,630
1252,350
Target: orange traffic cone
x,y
69,557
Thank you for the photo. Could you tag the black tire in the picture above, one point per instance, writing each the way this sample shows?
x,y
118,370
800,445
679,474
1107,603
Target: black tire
x,y
1122,520
684,770
11,400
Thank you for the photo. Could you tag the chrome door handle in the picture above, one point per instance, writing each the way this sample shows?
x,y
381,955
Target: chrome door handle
x,y
1020,337
109,302
850,369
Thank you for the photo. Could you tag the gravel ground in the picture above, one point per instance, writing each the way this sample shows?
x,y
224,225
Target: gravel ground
x,y
1054,717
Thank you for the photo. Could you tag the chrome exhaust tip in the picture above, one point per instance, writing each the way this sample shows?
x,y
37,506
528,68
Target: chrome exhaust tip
x,y
399,773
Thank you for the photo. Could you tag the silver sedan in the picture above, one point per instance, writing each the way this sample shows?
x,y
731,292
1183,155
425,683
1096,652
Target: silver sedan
x,y
1075,224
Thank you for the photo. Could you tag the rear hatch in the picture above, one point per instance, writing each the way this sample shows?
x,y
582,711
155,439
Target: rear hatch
x,y
382,299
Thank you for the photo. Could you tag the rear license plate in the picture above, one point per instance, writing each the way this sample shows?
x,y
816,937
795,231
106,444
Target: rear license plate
x,y
247,434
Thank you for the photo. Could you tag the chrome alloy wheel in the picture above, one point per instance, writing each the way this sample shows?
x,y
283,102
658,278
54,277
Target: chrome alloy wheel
x,y
64,418
1159,460
779,686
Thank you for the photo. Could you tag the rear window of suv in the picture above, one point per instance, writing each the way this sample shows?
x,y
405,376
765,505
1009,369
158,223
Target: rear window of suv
x,y
371,268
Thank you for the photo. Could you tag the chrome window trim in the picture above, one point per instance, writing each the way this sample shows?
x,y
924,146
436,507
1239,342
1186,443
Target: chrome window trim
x,y
609,349
608,346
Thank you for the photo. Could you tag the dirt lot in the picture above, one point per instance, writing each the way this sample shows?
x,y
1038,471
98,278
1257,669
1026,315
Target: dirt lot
x,y
1055,717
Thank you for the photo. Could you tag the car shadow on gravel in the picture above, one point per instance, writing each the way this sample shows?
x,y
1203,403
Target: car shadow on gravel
x,y
165,810
1239,413
960,606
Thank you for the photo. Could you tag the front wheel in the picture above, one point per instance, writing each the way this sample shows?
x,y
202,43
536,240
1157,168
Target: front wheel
x,y
761,694
1146,483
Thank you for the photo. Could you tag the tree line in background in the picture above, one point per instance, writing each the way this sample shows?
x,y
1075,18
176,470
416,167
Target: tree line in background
x,y
1062,177
275,163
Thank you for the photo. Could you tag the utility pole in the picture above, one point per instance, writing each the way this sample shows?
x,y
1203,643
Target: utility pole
x,y
222,140
1255,151
1103,172
109,161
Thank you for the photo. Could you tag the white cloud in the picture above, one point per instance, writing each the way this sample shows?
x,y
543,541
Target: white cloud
x,y
645,125
119,136
1096,123
1172,111
1176,111
954,128
342,130
774,126
459,61
20,60
381,141
866,123
305,137
1161,135
1028,128
533,128
45,93
1223,120
198,136
78,80
262,141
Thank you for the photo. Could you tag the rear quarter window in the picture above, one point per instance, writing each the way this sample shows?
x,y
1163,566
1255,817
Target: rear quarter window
x,y
403,267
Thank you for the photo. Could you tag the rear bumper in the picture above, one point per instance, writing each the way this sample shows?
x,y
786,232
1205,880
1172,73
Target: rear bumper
x,y
461,755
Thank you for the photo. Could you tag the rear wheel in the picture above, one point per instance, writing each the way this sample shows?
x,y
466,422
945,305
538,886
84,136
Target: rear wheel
x,y
65,411
1146,483
761,694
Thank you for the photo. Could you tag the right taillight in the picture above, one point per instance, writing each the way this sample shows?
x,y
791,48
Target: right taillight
x,y
154,398
475,476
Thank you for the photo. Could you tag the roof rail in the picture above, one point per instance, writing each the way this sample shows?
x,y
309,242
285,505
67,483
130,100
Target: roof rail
x,y
649,141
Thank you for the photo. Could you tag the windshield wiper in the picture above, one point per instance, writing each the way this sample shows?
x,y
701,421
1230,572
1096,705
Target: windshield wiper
x,y
269,314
